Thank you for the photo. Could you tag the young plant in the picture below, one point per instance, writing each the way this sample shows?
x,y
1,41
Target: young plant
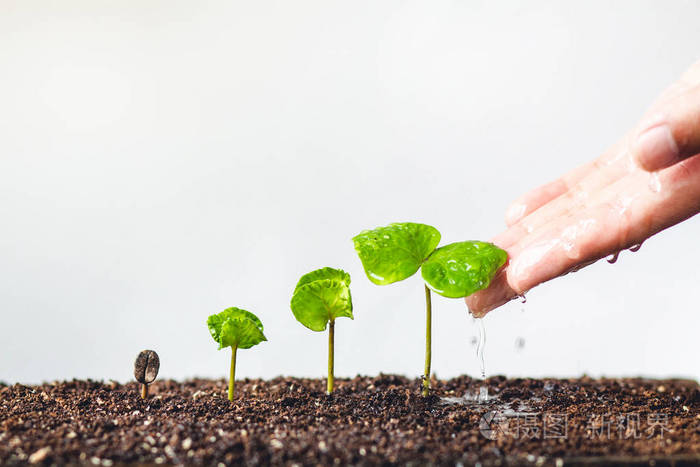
x,y
238,329
319,298
395,252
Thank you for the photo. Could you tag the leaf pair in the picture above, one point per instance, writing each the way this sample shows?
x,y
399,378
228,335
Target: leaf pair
x,y
322,296
395,252
236,328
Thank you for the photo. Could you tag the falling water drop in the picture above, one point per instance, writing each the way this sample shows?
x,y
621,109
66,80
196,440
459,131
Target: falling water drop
x,y
519,343
613,258
480,348
523,298
635,248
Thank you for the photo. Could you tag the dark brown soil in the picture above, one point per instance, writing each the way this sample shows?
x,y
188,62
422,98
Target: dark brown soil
x,y
381,420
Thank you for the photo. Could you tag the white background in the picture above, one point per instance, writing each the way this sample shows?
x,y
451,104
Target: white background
x,y
161,160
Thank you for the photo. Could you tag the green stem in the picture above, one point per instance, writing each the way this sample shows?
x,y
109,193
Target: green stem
x,y
232,378
331,340
428,332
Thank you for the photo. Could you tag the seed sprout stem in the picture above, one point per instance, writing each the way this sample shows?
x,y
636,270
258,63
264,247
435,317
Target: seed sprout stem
x,y
232,379
144,391
428,330
331,342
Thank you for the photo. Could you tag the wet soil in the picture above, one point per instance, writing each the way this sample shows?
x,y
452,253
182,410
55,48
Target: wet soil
x,y
367,421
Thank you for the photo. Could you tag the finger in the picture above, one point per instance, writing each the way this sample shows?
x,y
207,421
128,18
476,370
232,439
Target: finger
x,y
497,294
624,213
671,134
610,167
535,199
579,184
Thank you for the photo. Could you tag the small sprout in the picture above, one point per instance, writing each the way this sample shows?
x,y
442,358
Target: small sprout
x,y
396,252
146,369
238,329
319,298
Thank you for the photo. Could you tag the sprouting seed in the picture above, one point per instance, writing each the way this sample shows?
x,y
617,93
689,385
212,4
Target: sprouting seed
x,y
146,369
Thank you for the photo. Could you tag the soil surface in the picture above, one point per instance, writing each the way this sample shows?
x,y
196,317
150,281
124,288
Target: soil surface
x,y
367,421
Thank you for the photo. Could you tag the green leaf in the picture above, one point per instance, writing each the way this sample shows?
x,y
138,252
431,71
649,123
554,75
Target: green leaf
x,y
395,252
324,273
321,296
236,327
460,269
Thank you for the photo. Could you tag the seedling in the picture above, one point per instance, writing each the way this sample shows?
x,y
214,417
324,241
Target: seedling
x,y
146,369
395,252
319,298
238,329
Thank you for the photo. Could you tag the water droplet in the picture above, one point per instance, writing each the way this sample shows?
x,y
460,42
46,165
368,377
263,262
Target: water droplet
x,y
654,182
483,394
635,248
612,259
519,343
473,341
523,298
480,348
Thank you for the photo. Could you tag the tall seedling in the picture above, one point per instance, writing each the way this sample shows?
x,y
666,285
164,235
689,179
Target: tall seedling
x,y
395,252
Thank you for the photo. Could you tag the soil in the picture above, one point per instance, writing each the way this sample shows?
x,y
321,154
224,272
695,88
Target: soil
x,y
367,421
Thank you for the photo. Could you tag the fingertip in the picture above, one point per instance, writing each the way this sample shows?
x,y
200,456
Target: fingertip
x,y
655,148
498,293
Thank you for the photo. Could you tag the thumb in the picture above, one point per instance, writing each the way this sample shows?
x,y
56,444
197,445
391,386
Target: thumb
x,y
671,134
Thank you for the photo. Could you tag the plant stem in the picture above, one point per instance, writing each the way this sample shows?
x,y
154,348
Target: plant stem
x,y
232,378
331,340
428,332
144,391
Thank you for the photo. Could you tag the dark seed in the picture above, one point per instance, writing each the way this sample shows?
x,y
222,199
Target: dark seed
x,y
146,367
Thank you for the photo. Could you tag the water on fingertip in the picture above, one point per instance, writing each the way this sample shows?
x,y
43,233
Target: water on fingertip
x,y
613,258
635,248
654,182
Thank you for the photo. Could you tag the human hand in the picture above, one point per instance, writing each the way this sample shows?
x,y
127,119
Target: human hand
x,y
647,182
